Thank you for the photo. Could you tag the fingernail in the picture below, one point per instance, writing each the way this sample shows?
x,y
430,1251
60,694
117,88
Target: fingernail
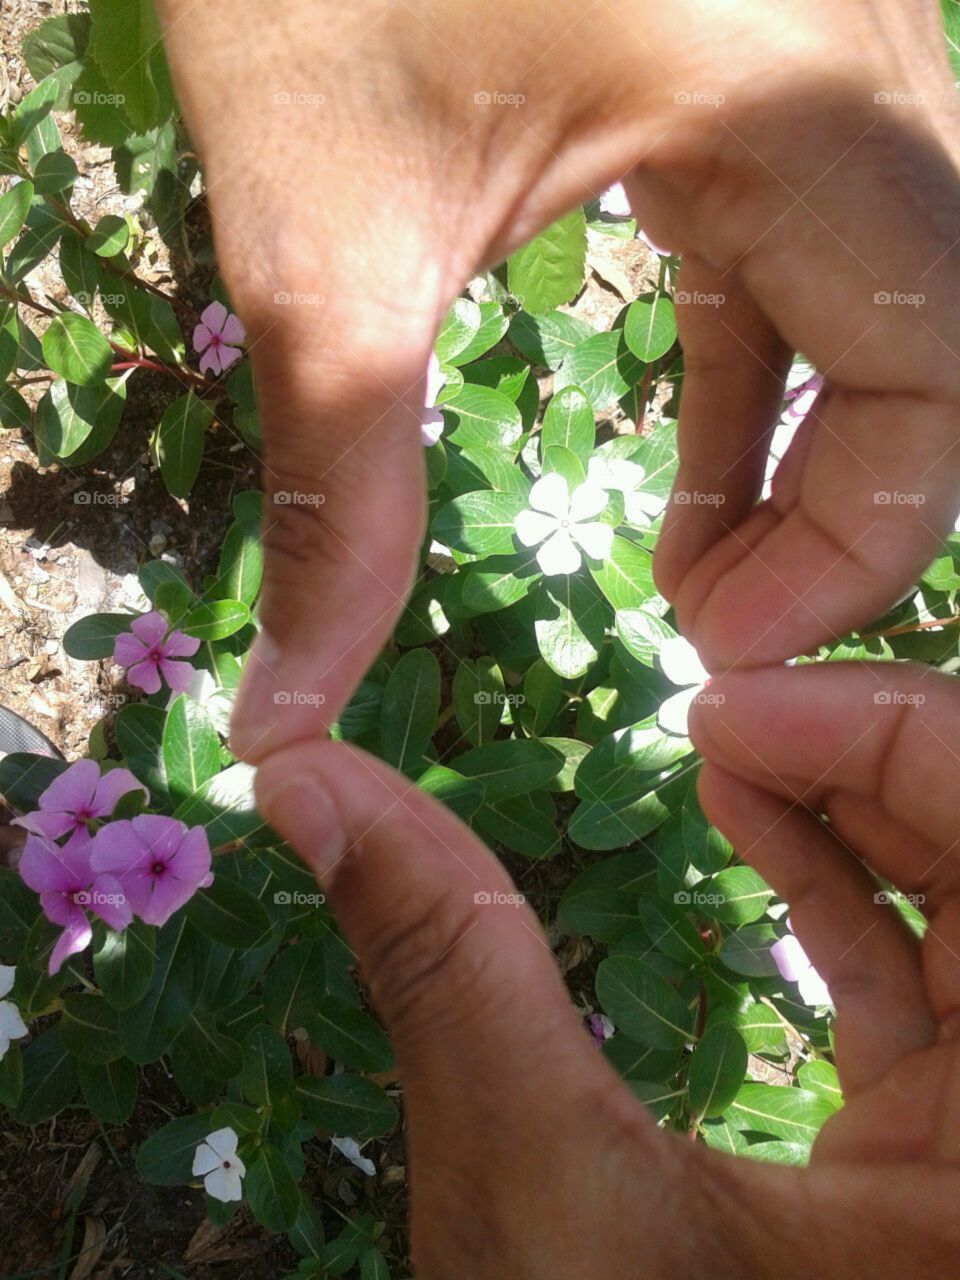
x,y
297,804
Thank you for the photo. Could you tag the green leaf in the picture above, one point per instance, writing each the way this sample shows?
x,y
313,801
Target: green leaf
x,y
241,564
408,713
479,523
14,410
492,327
346,1104
821,1078
642,1004
603,367
716,1070
525,824
747,951
50,1079
215,619
670,931
478,697
795,1115
109,1089
488,587
508,768
54,173
88,1028
229,913
92,638
11,1076
191,747
267,1070
127,46
109,237
549,270
605,915
81,269
123,964
626,576
483,417
547,340
650,329
13,210
569,422
69,415
76,350
166,1157
139,733
459,326
148,1027
211,1052
56,48
179,442
294,985
32,111
350,1036
737,895
570,625
373,1266
642,632
271,1190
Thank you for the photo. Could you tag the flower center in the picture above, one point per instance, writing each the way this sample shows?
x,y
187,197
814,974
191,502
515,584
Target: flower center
x,y
215,340
227,1164
158,868
565,524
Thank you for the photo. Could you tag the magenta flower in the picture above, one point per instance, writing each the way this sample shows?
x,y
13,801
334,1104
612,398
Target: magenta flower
x,y
794,966
217,337
800,399
146,649
600,1027
67,887
431,426
159,863
78,796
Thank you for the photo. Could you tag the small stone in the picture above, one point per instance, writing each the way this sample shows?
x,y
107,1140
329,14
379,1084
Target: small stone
x,y
157,544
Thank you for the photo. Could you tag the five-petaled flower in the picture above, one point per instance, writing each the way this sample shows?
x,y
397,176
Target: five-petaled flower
x,y
68,885
147,650
158,862
216,1161
563,523
217,339
431,425
79,796
639,507
12,1026
680,663
795,966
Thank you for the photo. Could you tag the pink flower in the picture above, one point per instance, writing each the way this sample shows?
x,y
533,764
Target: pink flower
x,y
600,1027
616,202
794,966
148,655
801,398
431,426
159,862
67,886
78,796
213,336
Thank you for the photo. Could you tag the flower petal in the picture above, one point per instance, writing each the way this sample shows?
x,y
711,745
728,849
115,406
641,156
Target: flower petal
x,y
550,494
435,381
223,1184
813,990
210,361
532,528
51,825
179,645
233,331
202,337
205,1160
431,427
150,627
145,676
75,937
45,867
108,900
228,356
559,555
223,1142
114,784
8,973
616,202
790,958
674,711
214,316
177,674
680,662
351,1149
596,539
587,501
127,649
73,789
12,1025
640,508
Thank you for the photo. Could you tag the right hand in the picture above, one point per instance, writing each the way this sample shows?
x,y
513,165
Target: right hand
x,y
797,199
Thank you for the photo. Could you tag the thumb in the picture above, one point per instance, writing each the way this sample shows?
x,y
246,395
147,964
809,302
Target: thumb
x,y
339,374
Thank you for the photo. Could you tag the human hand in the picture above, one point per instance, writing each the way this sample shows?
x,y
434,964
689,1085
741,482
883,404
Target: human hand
x,y
527,1156
797,199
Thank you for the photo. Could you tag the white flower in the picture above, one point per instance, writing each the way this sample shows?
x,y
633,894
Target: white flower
x,y
563,521
619,473
681,664
12,1026
217,1162
431,425
351,1149
616,202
